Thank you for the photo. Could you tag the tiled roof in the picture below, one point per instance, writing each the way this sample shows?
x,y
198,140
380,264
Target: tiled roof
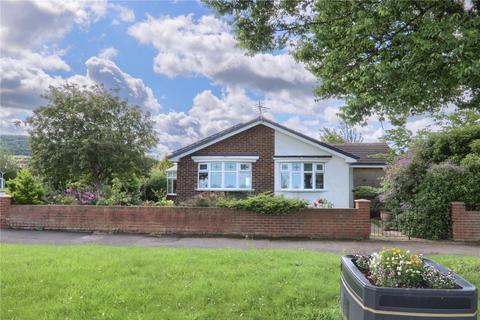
x,y
368,153
359,151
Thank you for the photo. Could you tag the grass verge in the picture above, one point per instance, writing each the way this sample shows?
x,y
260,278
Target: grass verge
x,y
98,282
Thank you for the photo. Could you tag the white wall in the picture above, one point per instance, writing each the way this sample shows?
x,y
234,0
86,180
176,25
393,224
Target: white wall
x,y
337,176
286,146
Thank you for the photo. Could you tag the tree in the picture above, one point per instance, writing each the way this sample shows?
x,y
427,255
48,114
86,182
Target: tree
x,y
25,189
388,58
8,167
345,134
88,134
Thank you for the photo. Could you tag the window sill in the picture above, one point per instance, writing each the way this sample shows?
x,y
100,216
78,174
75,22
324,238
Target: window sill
x,y
223,189
171,194
302,190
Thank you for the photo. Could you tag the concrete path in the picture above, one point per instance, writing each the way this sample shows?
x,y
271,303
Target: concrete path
x,y
74,238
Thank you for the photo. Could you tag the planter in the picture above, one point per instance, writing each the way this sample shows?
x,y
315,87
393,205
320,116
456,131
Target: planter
x,y
362,300
385,215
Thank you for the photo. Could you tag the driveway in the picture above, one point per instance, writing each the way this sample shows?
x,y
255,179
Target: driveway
x,y
75,238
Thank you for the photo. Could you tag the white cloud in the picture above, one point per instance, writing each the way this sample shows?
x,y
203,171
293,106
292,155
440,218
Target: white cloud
x,y
124,14
27,25
106,72
208,48
109,53
9,117
208,115
21,84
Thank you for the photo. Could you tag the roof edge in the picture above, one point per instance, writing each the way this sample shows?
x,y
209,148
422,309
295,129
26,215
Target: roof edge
x,y
217,137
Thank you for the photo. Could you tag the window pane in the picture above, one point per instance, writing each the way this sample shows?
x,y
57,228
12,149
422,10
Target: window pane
x,y
174,186
216,166
230,166
319,181
169,185
203,180
216,180
284,177
230,180
307,167
308,180
296,181
319,167
284,167
245,166
296,166
245,180
203,166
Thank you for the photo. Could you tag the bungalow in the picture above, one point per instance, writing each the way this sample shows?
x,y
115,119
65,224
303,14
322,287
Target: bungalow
x,y
264,156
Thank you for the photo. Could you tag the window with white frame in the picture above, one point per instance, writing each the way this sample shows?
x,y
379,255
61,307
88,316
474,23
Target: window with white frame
x,y
171,182
301,176
225,175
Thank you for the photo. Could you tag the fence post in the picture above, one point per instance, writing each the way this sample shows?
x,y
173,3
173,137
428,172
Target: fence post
x,y
5,202
363,216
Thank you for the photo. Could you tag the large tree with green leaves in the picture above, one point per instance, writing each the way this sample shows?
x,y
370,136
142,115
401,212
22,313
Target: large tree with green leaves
x,y
88,134
389,58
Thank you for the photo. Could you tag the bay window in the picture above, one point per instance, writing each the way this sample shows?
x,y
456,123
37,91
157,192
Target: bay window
x,y
301,176
224,176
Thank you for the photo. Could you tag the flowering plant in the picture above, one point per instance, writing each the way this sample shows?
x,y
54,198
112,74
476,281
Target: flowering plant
x,y
81,194
400,268
322,203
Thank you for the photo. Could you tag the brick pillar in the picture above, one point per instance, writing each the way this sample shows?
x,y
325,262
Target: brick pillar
x,y
4,210
457,211
362,217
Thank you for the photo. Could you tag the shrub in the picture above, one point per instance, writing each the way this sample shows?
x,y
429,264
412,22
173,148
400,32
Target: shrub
x,y
25,189
122,193
366,192
265,204
205,199
154,185
399,268
440,168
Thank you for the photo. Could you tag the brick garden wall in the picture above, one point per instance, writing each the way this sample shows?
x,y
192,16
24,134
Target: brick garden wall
x,y
259,140
308,223
465,224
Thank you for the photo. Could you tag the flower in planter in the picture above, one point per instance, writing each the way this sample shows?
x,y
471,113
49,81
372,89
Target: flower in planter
x,y
400,268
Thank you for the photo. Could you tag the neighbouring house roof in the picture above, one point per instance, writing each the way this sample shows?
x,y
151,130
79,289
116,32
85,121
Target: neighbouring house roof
x,y
358,153
368,153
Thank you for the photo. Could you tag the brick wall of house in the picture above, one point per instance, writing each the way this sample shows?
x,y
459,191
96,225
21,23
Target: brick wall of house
x,y
308,223
259,140
368,177
465,224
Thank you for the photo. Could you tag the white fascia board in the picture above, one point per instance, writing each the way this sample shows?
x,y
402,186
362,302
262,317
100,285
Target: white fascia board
x,y
177,158
333,152
225,158
373,166
300,159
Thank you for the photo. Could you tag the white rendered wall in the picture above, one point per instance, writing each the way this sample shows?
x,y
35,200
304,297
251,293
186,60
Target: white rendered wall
x,y
337,176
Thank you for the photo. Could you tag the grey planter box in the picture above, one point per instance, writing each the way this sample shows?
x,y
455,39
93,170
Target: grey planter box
x,y
362,300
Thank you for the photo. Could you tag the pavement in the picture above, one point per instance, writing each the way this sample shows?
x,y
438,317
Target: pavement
x,y
340,246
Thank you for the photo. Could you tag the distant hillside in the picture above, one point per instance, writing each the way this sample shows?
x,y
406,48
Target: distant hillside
x,y
16,144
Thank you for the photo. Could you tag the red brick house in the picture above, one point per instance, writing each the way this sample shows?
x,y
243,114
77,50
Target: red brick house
x,y
262,155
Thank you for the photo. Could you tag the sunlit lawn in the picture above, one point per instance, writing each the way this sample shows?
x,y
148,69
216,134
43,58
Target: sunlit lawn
x,y
100,282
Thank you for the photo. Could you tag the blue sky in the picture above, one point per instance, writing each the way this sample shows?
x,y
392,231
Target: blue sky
x,y
174,59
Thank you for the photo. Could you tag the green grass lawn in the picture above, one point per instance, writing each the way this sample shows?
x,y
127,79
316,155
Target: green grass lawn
x,y
98,282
